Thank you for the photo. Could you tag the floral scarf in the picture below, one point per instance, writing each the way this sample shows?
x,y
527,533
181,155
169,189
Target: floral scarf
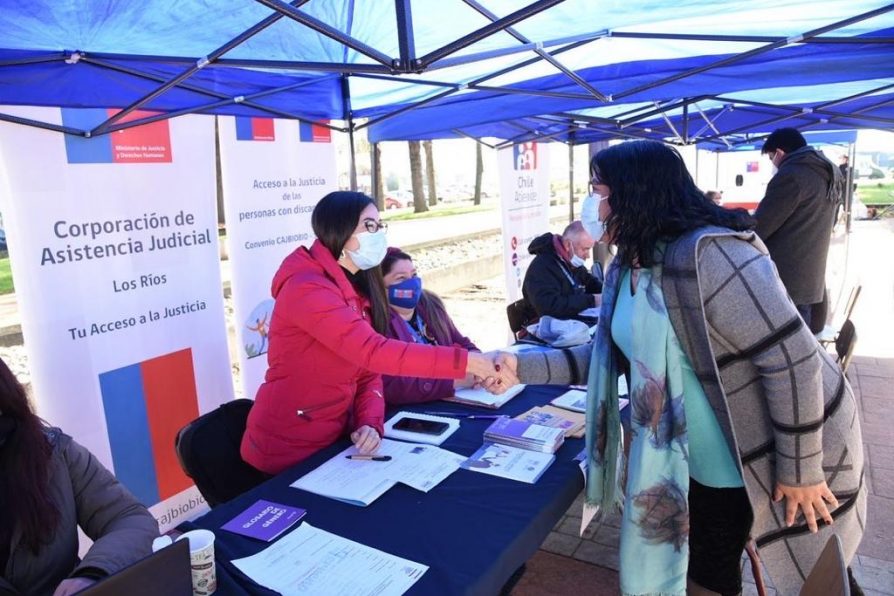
x,y
655,524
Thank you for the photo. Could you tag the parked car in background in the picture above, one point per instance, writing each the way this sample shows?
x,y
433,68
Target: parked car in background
x,y
398,199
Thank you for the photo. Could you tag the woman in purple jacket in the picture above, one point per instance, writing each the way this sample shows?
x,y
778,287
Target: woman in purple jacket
x,y
419,316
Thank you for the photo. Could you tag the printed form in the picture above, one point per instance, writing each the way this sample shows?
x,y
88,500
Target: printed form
x,y
313,561
360,482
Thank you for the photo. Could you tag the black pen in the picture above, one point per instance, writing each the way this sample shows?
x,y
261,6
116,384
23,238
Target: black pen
x,y
369,457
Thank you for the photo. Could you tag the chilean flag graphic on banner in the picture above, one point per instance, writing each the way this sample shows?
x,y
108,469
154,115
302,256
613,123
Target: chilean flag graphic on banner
x,y
146,404
147,143
254,129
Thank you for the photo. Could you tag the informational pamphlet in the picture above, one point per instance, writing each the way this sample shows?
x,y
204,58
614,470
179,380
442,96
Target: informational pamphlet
x,y
323,564
527,435
265,520
509,462
572,423
573,399
362,481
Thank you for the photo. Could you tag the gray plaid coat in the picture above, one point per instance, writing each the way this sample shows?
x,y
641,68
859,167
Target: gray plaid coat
x,y
782,403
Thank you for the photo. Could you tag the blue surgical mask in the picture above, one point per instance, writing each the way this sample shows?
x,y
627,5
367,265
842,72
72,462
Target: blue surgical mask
x,y
371,252
405,294
589,217
576,261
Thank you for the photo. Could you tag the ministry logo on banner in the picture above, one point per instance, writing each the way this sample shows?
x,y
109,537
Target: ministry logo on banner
x,y
254,129
147,143
315,133
146,404
525,156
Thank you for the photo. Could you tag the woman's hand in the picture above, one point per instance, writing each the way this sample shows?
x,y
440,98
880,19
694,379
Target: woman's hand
x,y
366,439
467,381
810,499
73,585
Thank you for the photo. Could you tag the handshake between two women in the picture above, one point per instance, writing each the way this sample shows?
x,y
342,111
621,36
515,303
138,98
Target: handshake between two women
x,y
494,371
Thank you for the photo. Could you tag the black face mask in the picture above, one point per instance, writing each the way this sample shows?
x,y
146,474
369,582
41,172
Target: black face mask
x,y
7,427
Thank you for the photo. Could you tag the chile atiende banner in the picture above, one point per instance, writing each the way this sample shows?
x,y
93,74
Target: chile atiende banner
x,y
524,192
274,172
115,259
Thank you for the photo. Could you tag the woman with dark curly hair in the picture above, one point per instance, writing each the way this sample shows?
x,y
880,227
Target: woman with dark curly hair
x,y
49,486
741,423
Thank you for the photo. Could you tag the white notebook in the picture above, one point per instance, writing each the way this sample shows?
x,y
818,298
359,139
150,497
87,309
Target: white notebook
x,y
480,397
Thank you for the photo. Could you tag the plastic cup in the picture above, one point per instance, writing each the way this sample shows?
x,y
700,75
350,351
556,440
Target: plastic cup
x,y
201,559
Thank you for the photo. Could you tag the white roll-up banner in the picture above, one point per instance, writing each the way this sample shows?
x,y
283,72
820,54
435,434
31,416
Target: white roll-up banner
x,y
274,172
115,259
524,191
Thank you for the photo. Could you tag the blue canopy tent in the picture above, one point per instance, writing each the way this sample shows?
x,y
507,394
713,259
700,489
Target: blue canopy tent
x,y
420,69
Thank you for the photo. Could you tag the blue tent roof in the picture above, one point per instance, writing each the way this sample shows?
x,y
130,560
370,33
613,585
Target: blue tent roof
x,y
465,62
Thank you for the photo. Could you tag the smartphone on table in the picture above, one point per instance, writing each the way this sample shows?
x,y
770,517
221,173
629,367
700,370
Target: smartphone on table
x,y
418,425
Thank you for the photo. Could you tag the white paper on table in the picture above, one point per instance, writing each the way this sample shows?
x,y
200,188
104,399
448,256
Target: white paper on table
x,y
360,482
573,399
422,467
313,561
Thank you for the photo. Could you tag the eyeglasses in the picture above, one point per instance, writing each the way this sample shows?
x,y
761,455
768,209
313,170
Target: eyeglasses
x,y
372,226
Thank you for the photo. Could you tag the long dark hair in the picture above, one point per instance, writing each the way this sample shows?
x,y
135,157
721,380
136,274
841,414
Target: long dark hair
x,y
653,198
430,303
25,466
334,220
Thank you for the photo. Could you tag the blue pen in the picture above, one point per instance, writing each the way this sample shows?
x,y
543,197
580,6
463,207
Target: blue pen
x,y
466,416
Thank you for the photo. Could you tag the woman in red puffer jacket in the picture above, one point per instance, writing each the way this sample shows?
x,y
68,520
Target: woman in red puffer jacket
x,y
327,348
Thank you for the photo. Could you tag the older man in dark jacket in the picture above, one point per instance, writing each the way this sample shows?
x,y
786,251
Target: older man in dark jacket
x,y
557,282
796,215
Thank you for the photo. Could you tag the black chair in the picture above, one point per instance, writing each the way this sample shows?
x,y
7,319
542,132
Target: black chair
x,y
520,315
845,343
208,451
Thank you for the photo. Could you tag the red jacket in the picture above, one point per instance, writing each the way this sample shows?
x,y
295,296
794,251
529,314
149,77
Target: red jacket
x,y
409,390
324,361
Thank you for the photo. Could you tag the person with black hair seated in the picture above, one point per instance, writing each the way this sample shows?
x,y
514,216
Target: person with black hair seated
x,y
51,486
418,315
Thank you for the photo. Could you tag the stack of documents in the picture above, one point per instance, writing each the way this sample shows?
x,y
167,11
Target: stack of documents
x,y
525,435
572,423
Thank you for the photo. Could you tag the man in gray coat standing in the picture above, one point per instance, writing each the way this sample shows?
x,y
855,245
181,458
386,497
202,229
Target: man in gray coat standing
x,y
796,215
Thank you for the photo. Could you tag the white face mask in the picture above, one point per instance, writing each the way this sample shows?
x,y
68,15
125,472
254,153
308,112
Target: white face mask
x,y
589,217
372,250
576,261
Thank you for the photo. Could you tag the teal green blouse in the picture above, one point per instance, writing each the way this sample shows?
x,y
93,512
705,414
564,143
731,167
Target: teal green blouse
x,y
710,460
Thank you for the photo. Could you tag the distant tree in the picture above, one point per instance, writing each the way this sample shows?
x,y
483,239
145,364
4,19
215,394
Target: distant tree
x,y
375,156
419,205
479,172
430,173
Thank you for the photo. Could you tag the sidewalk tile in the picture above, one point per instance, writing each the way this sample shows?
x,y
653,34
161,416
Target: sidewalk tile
x,y
874,574
879,529
547,574
882,456
560,544
598,554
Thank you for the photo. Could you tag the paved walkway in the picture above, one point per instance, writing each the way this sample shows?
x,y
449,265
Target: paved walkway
x,y
571,564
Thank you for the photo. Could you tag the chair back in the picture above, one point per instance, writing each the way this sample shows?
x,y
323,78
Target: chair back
x,y
520,315
829,574
208,451
852,302
845,343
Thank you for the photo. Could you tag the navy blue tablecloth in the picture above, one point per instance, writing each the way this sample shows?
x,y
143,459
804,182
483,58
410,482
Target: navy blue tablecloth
x,y
472,530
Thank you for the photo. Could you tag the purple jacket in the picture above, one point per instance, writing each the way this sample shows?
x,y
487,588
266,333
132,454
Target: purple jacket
x,y
409,390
